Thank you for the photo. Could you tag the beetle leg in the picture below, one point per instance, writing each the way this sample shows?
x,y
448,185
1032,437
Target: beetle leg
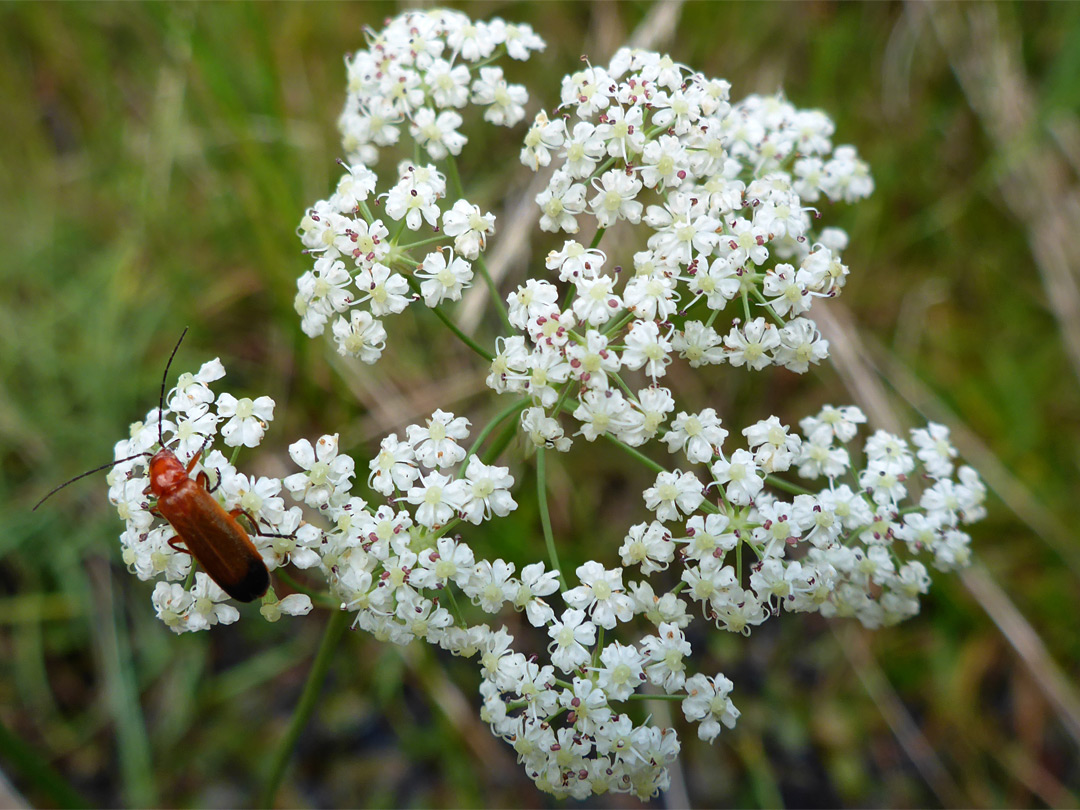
x,y
212,489
151,505
255,524
173,544
237,512
195,458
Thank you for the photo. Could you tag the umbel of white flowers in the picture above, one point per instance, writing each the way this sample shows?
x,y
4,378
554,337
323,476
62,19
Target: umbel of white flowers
x,y
720,196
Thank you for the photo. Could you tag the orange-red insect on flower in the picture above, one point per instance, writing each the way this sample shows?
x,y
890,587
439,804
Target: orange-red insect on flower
x,y
204,529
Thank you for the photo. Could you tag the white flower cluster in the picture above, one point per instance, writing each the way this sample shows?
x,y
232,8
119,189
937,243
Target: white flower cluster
x,y
194,416
839,551
397,567
419,70
843,550
723,193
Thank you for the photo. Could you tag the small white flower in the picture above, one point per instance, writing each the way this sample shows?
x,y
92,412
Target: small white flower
x,y
740,475
774,448
487,492
470,228
698,435
247,419
647,348
504,102
438,497
438,133
622,672
326,474
172,604
536,583
648,545
361,336
394,467
935,450
616,198
295,604
674,492
600,595
666,651
570,636
206,610
750,345
386,292
707,702
436,443
491,585
192,395
443,280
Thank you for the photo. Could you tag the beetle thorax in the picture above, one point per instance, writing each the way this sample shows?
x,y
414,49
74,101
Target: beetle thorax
x,y
166,472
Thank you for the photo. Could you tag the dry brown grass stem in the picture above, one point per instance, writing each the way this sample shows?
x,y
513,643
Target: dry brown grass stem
x,y
836,323
852,640
1035,180
855,365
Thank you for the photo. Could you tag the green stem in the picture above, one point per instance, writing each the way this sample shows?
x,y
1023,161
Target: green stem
x,y
310,696
454,177
561,401
318,598
630,395
656,697
614,326
495,57
423,242
500,305
442,531
456,608
501,442
596,239
787,486
21,760
635,453
768,308
758,552
521,404
545,517
453,327
551,718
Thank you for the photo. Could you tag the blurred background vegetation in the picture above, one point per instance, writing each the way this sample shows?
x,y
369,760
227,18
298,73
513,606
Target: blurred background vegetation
x,y
154,162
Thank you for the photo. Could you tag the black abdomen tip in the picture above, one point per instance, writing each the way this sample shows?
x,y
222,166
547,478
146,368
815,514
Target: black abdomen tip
x,y
253,585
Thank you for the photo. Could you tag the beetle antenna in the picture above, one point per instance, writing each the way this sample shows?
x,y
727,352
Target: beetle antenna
x,y
83,475
161,399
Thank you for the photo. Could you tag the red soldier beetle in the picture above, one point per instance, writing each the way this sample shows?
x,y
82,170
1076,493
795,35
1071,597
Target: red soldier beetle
x,y
212,535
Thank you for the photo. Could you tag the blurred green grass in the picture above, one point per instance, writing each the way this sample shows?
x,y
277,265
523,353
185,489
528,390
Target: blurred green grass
x,y
154,162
